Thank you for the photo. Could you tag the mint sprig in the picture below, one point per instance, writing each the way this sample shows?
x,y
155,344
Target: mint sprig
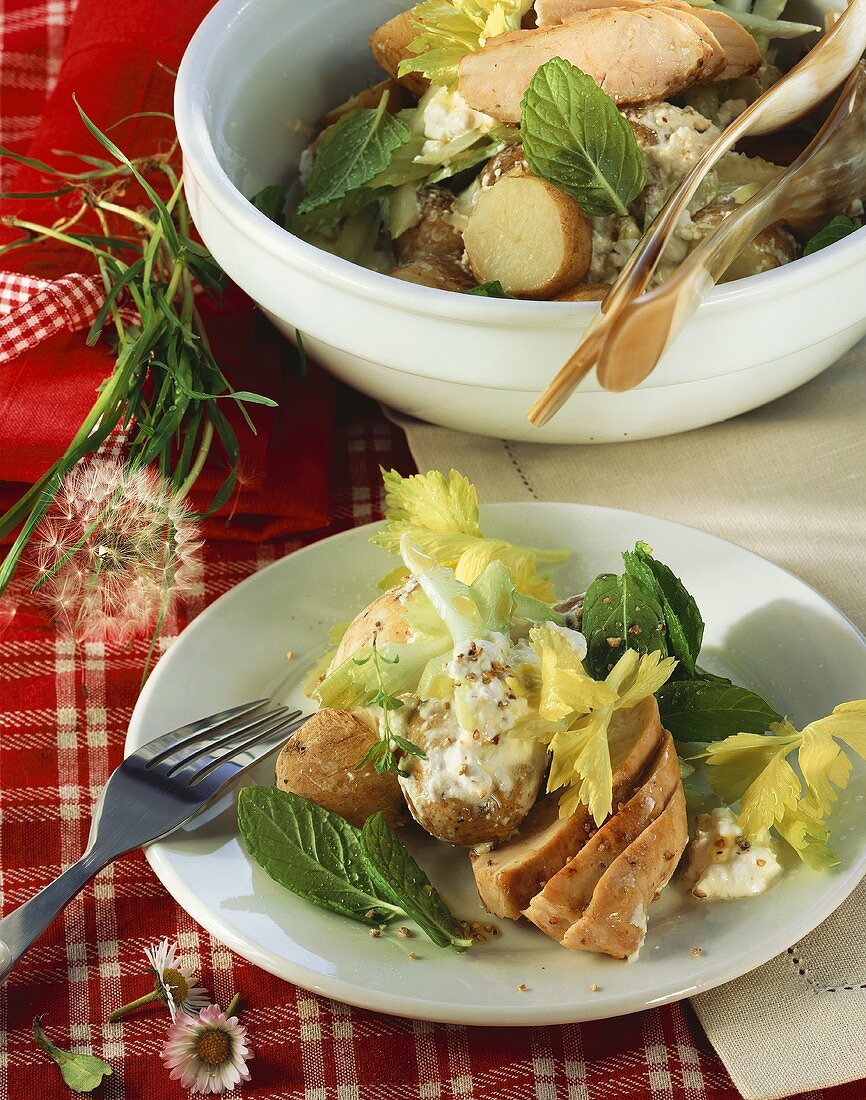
x,y
352,153
834,231
574,137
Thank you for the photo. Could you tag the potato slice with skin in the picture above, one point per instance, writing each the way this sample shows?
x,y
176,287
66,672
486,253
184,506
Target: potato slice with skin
x,y
435,234
772,248
384,617
741,53
440,272
389,45
530,236
320,762
635,55
584,292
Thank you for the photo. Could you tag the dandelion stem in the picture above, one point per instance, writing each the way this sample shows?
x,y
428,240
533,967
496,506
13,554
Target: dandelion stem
x,y
133,1006
200,458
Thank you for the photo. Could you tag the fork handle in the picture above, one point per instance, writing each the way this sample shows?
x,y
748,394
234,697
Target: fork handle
x,y
24,925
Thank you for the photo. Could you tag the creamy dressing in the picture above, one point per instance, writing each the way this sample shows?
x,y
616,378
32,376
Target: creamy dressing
x,y
723,864
447,116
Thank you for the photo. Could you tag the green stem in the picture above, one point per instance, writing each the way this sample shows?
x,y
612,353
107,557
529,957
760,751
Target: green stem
x,y
196,468
231,1007
133,1006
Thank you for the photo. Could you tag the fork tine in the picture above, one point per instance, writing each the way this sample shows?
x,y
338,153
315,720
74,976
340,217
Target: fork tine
x,y
154,752
170,765
194,773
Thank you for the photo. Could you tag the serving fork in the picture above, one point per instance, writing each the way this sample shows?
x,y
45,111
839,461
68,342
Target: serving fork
x,y
824,68
154,791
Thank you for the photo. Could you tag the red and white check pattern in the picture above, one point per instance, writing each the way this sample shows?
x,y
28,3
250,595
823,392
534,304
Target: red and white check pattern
x,y
63,717
32,309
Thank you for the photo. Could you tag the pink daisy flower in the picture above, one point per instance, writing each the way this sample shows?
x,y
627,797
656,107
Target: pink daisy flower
x,y
207,1053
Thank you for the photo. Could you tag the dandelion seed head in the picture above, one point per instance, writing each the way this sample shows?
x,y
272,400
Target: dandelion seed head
x,y
115,551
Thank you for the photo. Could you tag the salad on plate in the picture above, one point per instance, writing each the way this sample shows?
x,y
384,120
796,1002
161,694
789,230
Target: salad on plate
x,y
521,150
570,746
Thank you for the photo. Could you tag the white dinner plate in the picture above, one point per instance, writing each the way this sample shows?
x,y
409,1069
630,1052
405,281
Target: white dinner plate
x,y
765,628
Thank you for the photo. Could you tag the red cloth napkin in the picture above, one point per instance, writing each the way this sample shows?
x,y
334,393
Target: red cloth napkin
x,y
117,61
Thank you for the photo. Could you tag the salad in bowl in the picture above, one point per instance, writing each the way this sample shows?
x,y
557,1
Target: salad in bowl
x,y
570,748
521,150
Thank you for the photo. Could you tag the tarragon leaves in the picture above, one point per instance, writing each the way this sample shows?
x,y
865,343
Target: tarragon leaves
x,y
81,1072
396,874
352,153
574,136
834,231
310,851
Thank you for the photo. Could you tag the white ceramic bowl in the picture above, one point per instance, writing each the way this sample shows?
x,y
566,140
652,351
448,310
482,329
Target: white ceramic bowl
x,y
254,80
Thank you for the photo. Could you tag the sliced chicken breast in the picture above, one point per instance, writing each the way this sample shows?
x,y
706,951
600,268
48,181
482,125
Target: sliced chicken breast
x,y
635,55
509,876
614,923
741,53
566,896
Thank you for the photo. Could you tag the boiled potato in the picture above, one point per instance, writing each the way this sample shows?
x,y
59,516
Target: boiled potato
x,y
471,788
390,45
773,247
440,272
435,234
398,99
321,763
584,292
384,617
530,236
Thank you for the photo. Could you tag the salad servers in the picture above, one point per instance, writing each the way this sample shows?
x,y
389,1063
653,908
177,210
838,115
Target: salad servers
x,y
822,178
153,792
827,65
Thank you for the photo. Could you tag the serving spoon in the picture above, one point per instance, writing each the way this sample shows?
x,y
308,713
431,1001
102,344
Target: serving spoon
x,y
813,79
824,178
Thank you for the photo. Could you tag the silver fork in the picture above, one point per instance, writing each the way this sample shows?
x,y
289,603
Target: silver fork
x,y
154,791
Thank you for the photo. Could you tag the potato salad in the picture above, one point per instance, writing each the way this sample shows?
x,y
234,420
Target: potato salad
x,y
520,149
574,752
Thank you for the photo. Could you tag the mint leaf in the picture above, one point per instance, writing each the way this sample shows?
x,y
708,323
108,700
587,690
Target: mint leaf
x,y
352,153
685,627
574,137
488,290
81,1072
271,200
620,614
838,228
397,875
311,851
707,710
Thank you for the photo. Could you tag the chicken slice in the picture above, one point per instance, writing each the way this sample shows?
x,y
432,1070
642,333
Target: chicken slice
x,y
742,55
635,55
614,922
509,876
566,896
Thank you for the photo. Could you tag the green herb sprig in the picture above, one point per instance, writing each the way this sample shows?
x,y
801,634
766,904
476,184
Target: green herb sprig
x,y
166,386
382,754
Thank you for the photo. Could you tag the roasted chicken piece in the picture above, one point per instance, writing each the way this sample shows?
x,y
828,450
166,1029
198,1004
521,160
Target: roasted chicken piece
x,y
567,895
614,923
635,55
509,876
740,50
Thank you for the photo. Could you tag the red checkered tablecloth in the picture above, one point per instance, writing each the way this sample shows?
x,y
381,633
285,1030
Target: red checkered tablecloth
x,y
63,716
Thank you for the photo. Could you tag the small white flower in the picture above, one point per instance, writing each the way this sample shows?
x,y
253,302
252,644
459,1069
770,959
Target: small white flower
x,y
207,1053
176,983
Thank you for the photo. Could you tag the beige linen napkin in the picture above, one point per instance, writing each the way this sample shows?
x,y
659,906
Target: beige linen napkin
x,y
789,482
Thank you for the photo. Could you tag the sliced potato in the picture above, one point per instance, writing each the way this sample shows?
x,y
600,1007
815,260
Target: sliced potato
x,y
530,236
584,292
435,234
384,617
389,45
441,272
398,99
321,763
773,247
